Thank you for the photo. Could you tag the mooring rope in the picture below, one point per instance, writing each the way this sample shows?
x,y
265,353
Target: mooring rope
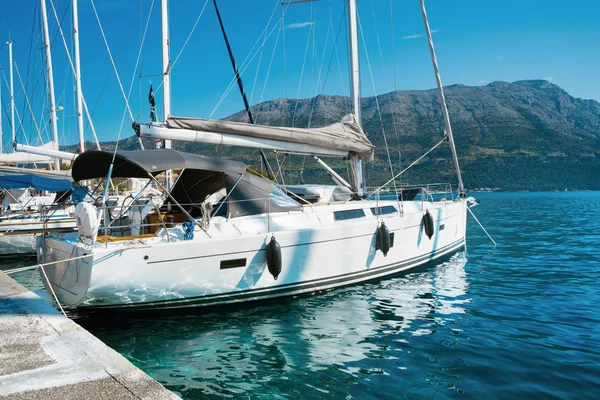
x,y
53,294
481,226
13,271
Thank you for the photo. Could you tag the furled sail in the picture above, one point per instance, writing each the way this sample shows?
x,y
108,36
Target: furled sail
x,y
340,138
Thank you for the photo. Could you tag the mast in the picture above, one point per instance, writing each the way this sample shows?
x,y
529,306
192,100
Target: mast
x,y
12,92
355,161
438,79
78,76
166,76
53,119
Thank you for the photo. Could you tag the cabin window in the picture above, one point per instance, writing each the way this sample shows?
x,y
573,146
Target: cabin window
x,y
281,199
348,214
342,194
384,210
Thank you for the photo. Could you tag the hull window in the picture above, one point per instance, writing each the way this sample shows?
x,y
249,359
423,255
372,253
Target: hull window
x,y
384,210
238,262
348,214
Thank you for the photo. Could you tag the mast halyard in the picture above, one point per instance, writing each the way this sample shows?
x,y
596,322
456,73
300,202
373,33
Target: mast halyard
x,y
78,77
438,79
355,161
238,78
53,119
166,65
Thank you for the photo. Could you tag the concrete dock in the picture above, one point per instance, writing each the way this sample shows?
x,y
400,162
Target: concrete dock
x,y
44,355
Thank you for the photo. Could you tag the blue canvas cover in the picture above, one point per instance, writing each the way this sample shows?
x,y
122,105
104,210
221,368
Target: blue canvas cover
x,y
34,181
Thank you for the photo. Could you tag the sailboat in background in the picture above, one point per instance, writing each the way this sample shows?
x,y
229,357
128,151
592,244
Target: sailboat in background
x,y
38,201
228,236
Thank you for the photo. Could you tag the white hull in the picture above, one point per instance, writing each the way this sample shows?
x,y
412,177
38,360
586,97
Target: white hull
x,y
18,234
318,253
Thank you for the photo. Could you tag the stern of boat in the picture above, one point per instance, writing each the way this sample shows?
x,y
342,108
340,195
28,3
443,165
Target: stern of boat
x,y
66,267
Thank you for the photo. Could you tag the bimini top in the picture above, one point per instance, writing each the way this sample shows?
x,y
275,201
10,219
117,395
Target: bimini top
x,y
138,163
22,181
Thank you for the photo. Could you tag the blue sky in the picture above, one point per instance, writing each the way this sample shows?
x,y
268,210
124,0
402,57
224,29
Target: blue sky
x,y
477,42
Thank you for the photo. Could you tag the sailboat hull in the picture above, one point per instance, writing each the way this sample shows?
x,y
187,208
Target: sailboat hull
x,y
233,269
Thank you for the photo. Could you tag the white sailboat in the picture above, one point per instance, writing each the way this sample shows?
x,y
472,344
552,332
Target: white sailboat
x,y
230,236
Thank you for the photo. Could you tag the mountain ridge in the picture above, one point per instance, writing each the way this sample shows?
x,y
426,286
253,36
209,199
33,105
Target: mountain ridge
x,y
524,135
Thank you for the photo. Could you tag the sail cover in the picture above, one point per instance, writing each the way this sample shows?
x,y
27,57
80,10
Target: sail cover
x,y
345,135
34,181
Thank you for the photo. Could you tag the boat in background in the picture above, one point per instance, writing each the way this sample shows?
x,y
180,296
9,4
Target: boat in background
x,y
33,202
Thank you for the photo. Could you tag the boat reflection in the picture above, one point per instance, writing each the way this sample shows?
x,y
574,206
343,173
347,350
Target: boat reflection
x,y
339,335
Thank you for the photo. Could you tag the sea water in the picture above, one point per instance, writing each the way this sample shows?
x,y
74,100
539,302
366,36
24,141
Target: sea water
x,y
514,321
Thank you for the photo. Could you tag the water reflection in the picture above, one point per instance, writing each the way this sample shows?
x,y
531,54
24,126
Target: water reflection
x,y
329,344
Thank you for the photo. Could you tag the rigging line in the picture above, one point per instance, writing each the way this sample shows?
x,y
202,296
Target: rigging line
x,y
112,61
411,165
238,77
5,148
116,75
90,123
319,70
262,49
19,121
234,65
279,169
393,44
257,71
70,59
189,36
29,57
37,129
334,52
245,64
395,81
244,67
384,66
284,57
67,8
387,149
139,56
36,85
262,94
301,75
302,168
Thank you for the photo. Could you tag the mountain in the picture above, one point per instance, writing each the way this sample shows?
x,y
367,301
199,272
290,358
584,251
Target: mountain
x,y
525,135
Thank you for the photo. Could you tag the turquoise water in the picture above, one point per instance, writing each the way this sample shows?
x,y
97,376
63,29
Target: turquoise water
x,y
513,322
